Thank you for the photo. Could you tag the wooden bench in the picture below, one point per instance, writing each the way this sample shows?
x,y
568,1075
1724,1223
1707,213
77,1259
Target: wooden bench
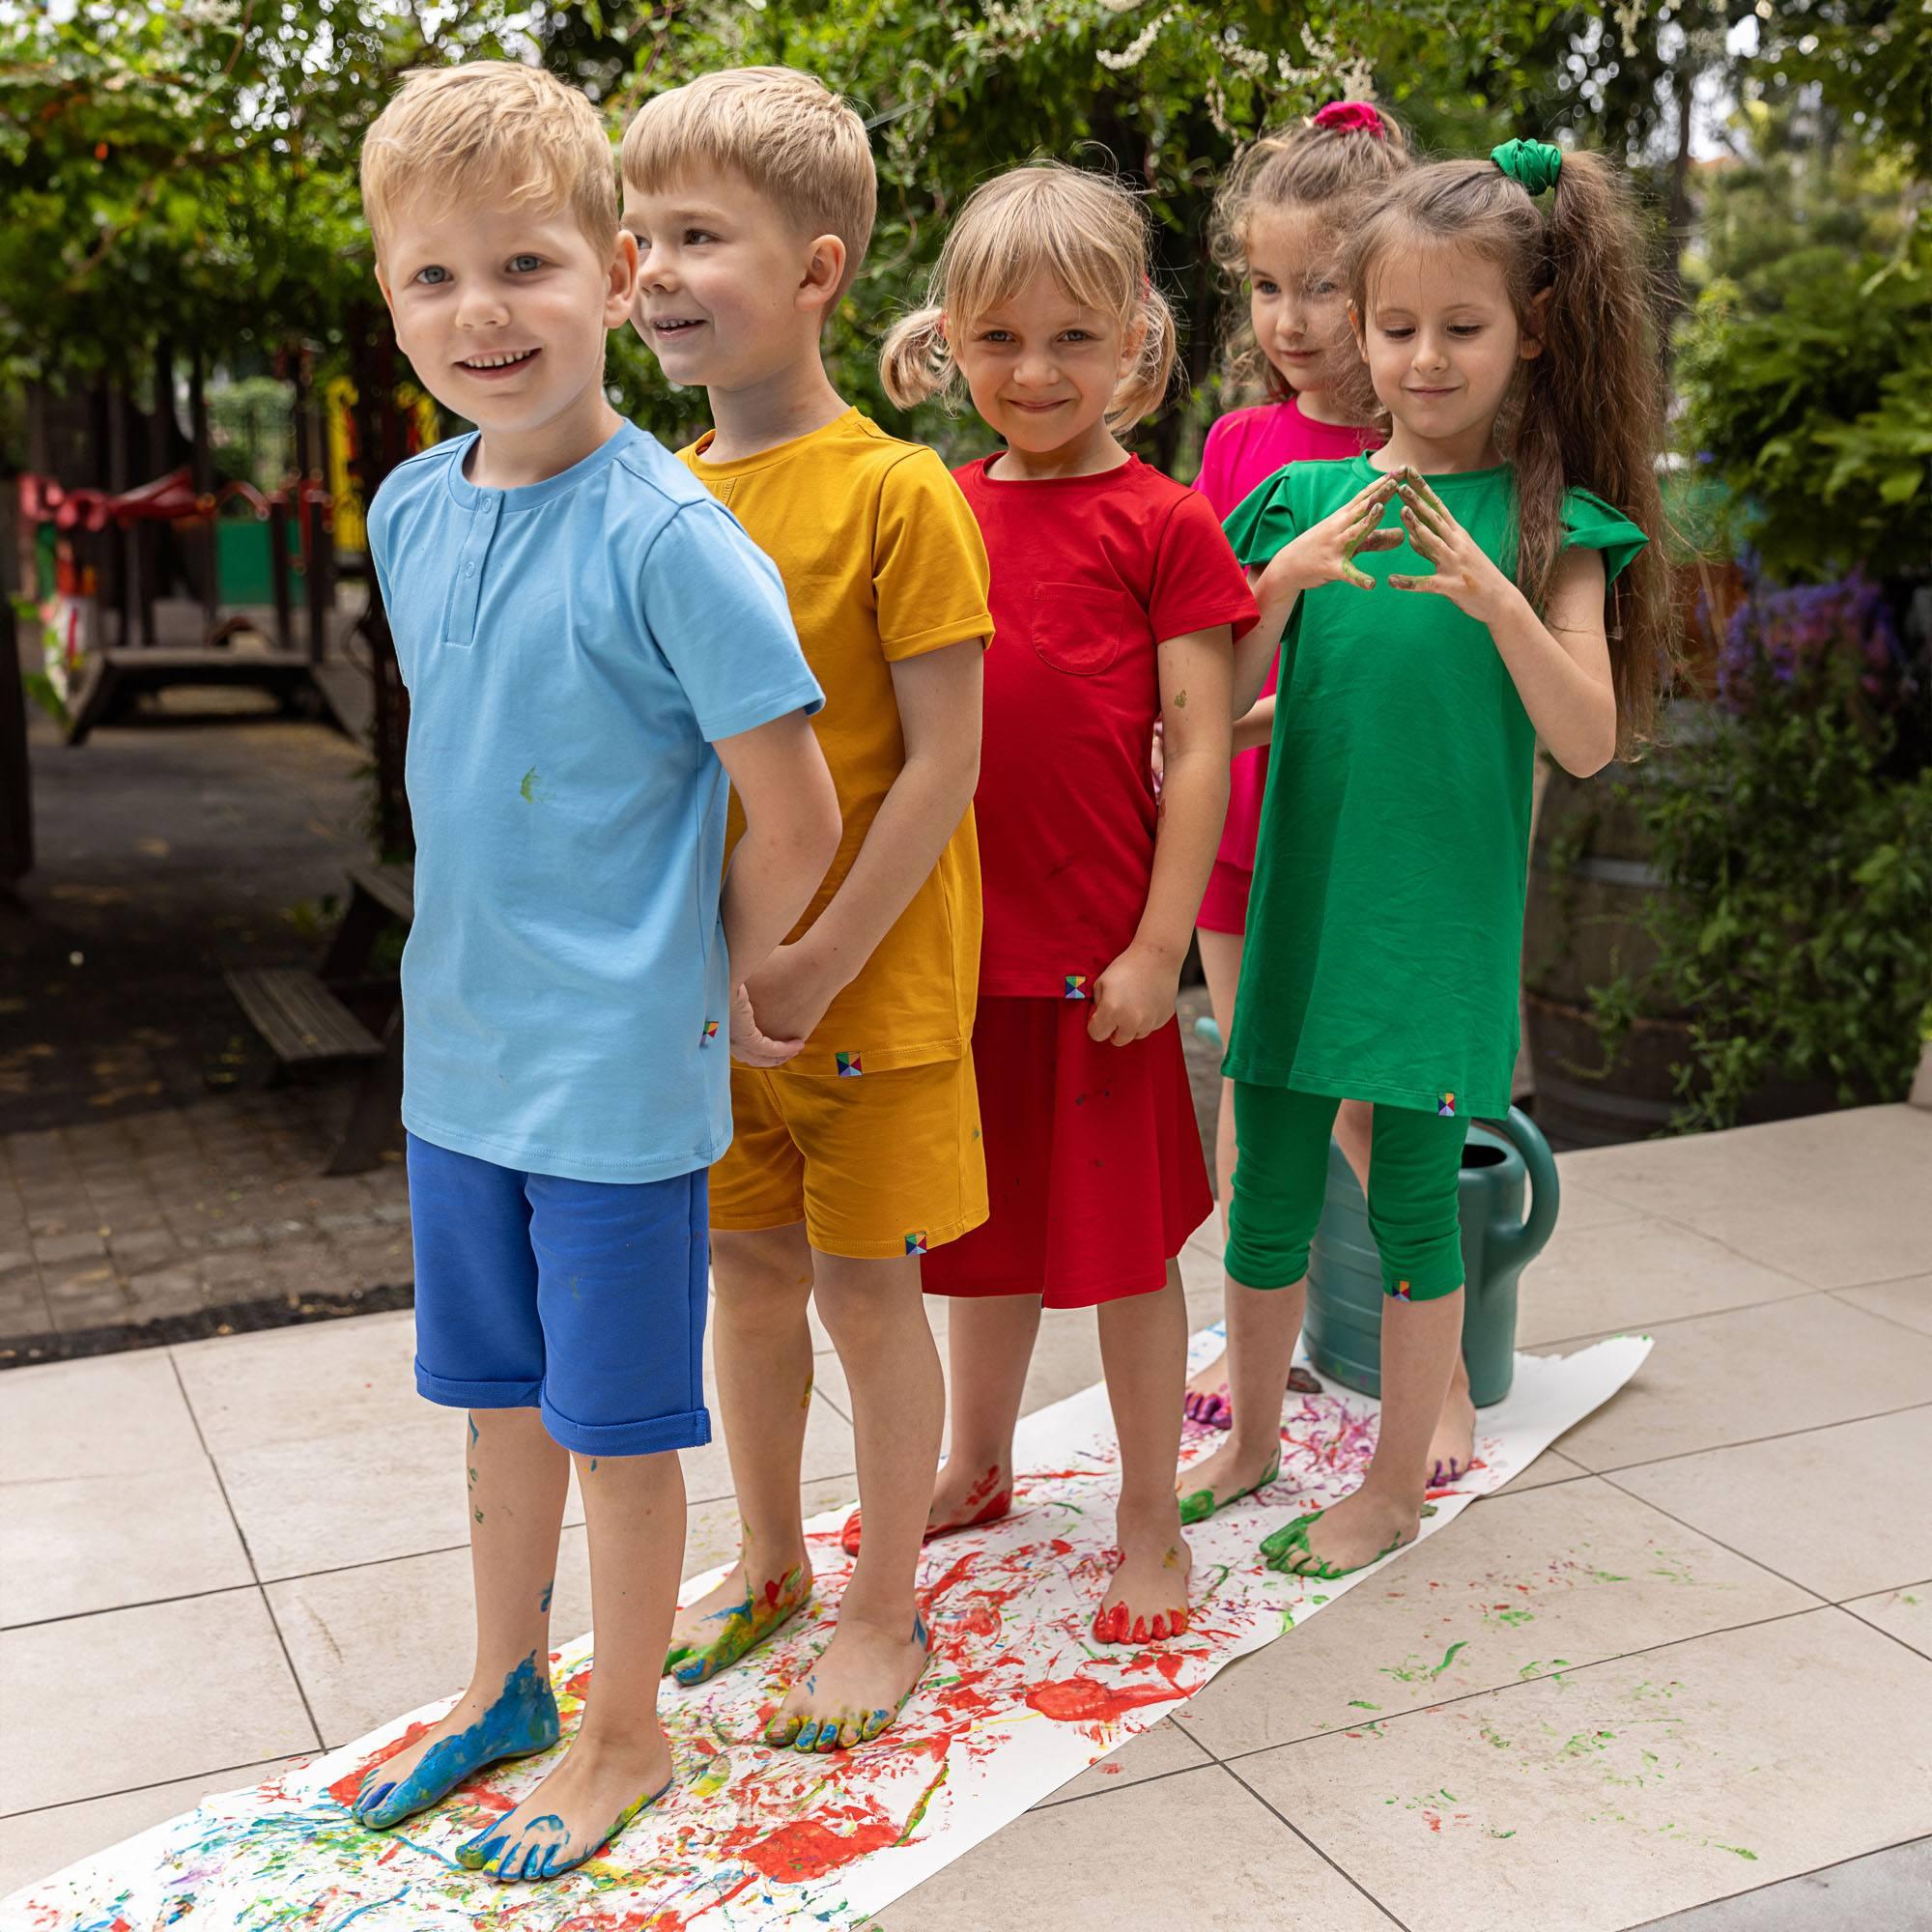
x,y
304,1023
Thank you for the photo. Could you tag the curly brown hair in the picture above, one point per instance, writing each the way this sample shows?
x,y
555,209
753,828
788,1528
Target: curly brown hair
x,y
1589,411
1331,169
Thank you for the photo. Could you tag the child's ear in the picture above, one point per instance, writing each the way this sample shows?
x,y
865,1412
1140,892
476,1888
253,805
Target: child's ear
x,y
1360,334
824,270
620,280
1529,341
382,283
1133,345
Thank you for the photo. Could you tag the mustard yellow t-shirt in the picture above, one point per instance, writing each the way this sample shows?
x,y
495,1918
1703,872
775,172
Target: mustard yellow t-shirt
x,y
882,560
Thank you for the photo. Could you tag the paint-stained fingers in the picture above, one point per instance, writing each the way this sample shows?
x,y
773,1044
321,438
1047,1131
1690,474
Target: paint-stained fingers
x,y
1428,541
1430,583
1379,539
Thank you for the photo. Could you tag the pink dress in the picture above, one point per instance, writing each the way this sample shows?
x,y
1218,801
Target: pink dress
x,y
1244,449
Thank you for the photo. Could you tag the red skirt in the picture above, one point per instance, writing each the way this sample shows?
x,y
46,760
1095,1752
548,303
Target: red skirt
x,y
1093,1164
1224,906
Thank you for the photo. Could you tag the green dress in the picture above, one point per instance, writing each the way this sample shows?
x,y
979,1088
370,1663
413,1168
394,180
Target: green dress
x,y
1384,932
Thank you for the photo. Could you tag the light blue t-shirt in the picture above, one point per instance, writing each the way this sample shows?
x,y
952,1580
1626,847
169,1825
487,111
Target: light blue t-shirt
x,y
571,650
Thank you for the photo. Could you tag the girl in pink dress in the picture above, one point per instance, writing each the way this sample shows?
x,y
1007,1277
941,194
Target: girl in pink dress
x,y
1280,220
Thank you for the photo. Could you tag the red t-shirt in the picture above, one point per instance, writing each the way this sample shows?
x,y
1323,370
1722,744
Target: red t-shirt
x,y
1090,574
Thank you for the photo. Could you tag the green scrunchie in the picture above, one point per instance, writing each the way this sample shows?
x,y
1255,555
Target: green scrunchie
x,y
1533,164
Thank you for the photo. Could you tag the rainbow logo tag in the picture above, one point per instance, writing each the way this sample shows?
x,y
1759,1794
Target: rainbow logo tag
x,y
709,1034
1445,1107
916,1241
848,1065
1076,985
1403,1291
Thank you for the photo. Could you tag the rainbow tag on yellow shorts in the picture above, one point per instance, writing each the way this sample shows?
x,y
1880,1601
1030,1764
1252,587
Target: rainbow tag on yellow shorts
x,y
848,1065
916,1241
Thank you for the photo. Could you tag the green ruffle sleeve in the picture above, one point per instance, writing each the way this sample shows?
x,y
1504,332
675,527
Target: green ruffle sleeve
x,y
1263,521
1591,524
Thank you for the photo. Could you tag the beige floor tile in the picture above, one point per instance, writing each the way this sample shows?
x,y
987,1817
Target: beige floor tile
x,y
1516,1587
1548,1467
106,1495
1908,1301
1603,1797
1906,1614
1752,1373
1584,1206
1826,1509
1631,1273
1761,1189
1192,1850
1155,1752
37,1844
140,1696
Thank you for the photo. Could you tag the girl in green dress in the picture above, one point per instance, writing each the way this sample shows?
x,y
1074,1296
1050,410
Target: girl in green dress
x,y
1442,604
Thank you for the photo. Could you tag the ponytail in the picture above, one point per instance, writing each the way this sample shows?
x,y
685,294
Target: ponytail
x,y
916,361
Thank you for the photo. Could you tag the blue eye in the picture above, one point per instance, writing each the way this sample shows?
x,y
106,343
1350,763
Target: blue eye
x,y
524,263
432,277
1264,287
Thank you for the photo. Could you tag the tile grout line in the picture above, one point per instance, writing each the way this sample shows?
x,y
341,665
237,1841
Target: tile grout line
x,y
1772,1884
1757,1563
1839,1294
1498,1689
1881,1630
130,1790
1288,1824
1749,1442
268,1608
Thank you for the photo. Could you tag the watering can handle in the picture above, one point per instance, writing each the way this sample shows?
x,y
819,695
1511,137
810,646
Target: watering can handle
x,y
1546,1192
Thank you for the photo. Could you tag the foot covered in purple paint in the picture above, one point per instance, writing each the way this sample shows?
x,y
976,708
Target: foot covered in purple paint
x,y
855,1687
1359,1530
1147,1600
1451,1449
575,1813
481,1730
1208,1403
715,1632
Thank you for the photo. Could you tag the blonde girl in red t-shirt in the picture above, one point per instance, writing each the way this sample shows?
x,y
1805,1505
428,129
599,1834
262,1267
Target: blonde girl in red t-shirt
x,y
1116,599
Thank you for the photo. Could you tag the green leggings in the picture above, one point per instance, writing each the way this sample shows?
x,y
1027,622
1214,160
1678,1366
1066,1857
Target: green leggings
x,y
1281,1178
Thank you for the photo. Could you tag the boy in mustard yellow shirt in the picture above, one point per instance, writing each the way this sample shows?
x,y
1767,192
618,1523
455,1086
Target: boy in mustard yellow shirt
x,y
751,194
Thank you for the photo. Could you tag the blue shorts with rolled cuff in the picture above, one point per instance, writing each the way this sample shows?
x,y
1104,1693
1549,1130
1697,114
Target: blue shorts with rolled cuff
x,y
581,1298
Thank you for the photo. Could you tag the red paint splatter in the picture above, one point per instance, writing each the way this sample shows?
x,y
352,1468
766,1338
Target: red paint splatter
x,y
979,1621
345,1787
807,1849
579,1687
961,1569
1085,1700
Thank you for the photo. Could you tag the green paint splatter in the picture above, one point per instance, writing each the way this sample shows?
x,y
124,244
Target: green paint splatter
x,y
1584,1742
1608,1576
1357,1704
1502,1834
1449,1657
1516,1617
527,791
1739,1850
1536,1667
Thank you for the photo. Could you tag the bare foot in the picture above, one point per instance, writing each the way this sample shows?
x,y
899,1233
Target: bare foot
x,y
1146,1601
854,1690
1206,1399
960,1500
517,1718
1231,1471
576,1811
715,1632
1350,1535
1454,1443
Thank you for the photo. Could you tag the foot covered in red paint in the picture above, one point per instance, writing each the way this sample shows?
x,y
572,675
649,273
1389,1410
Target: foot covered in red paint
x,y
1330,1544
959,1501
854,1690
1452,1446
1207,1401
576,1811
715,1632
1147,1601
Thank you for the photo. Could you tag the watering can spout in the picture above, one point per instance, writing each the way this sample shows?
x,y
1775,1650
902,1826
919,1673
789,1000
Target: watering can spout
x,y
1519,1243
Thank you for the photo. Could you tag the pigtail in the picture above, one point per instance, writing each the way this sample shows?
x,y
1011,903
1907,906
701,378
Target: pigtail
x,y
1592,414
914,360
1143,389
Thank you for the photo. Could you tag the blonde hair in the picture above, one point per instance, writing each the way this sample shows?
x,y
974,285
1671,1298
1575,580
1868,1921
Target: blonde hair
x,y
451,130
796,142
1087,230
1329,164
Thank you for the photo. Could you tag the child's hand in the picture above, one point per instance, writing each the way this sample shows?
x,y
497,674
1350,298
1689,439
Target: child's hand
x,y
751,1045
1158,756
1133,997
789,994
1326,553
1463,573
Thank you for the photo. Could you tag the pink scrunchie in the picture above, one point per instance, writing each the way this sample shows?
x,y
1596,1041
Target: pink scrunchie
x,y
1351,117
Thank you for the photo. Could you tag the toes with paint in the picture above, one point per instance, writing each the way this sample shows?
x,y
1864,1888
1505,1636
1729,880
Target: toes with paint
x,y
522,1719
1225,1477
855,1690
1327,1545
957,1503
714,1633
571,1815
1147,1601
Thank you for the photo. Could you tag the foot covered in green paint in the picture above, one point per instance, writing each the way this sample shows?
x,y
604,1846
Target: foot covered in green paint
x,y
854,1690
575,1813
1453,1447
959,1501
715,1632
519,1719
1359,1530
1218,1480
1147,1600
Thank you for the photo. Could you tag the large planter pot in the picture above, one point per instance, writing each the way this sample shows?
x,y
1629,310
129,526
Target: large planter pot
x,y
1501,1162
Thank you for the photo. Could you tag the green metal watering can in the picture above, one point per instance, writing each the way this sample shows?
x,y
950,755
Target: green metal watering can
x,y
1344,1322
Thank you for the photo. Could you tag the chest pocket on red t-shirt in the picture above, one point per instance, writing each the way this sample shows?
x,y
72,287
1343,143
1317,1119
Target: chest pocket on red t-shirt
x,y
1079,628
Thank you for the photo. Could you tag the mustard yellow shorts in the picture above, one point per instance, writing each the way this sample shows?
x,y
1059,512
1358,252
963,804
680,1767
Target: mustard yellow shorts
x,y
877,1165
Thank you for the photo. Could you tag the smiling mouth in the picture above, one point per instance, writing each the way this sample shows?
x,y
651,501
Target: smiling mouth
x,y
512,358
674,325
1058,403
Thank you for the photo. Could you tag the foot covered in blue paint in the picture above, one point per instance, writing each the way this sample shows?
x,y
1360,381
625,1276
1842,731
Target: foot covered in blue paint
x,y
715,1632
1359,1530
575,1813
518,1719
854,1688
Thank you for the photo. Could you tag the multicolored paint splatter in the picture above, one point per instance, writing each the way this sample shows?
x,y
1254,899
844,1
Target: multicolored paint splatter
x,y
1017,1700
